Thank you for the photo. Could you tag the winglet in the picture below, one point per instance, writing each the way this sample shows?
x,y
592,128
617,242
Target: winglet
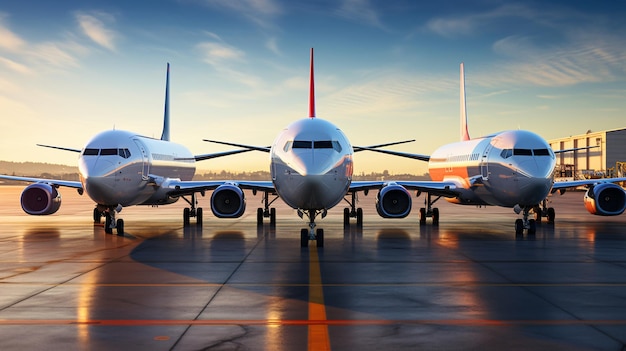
x,y
464,132
166,116
311,91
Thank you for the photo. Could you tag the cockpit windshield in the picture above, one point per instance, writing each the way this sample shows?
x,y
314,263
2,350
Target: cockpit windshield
x,y
506,153
125,153
317,144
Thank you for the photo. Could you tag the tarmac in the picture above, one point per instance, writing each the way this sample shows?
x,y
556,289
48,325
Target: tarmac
x,y
468,284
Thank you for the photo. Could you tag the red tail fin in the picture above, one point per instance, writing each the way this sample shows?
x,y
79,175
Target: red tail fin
x,y
311,91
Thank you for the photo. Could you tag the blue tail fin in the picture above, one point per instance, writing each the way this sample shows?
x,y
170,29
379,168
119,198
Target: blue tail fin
x,y
166,116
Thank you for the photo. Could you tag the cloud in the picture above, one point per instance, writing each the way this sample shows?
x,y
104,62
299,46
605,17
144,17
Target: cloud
x,y
272,46
9,40
92,26
359,11
219,53
260,12
469,24
15,66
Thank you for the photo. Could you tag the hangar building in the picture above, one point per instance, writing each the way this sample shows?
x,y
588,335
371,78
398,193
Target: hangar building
x,y
606,156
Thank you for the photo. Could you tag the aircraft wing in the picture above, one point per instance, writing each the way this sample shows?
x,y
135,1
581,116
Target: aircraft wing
x,y
250,147
179,187
219,154
55,182
361,148
583,182
397,153
443,188
268,148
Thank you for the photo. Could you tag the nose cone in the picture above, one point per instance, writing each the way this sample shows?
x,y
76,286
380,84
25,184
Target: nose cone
x,y
99,176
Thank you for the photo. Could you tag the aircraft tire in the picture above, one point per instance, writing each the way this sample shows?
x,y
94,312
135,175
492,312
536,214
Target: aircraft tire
x,y
359,217
107,224
272,217
319,237
259,217
422,216
304,237
435,216
346,217
186,215
519,226
120,227
199,217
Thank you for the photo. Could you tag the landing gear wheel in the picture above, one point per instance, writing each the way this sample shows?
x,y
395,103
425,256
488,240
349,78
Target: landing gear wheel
x,y
519,226
259,217
551,215
532,227
538,215
422,216
346,217
304,237
186,215
319,237
435,216
107,224
359,217
97,216
272,217
199,217
120,227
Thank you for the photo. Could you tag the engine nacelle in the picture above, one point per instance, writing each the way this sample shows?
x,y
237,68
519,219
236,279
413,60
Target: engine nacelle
x,y
605,199
228,201
393,201
40,199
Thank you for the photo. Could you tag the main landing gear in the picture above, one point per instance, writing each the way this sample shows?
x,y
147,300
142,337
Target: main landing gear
x,y
312,233
192,211
109,218
429,210
352,212
266,211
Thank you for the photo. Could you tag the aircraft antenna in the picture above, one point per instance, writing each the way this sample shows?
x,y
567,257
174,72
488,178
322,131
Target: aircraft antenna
x,y
311,90
464,132
166,115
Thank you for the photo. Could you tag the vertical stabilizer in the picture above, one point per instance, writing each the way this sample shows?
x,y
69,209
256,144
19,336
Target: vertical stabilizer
x,y
463,112
166,115
311,91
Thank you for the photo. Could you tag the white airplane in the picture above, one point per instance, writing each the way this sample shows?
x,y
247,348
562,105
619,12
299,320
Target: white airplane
x,y
121,168
513,168
311,168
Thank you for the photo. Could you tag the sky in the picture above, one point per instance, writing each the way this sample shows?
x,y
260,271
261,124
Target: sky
x,y
385,70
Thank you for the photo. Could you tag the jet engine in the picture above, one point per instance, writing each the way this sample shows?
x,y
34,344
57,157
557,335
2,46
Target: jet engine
x,y
393,201
40,199
228,201
605,199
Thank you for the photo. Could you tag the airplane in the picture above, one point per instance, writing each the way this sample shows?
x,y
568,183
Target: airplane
x,y
311,167
512,168
121,168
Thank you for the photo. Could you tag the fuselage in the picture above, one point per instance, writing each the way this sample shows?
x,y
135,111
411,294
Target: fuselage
x,y
311,164
119,168
509,168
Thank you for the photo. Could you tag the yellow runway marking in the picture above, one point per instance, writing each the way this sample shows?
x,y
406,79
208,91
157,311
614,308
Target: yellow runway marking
x,y
318,329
